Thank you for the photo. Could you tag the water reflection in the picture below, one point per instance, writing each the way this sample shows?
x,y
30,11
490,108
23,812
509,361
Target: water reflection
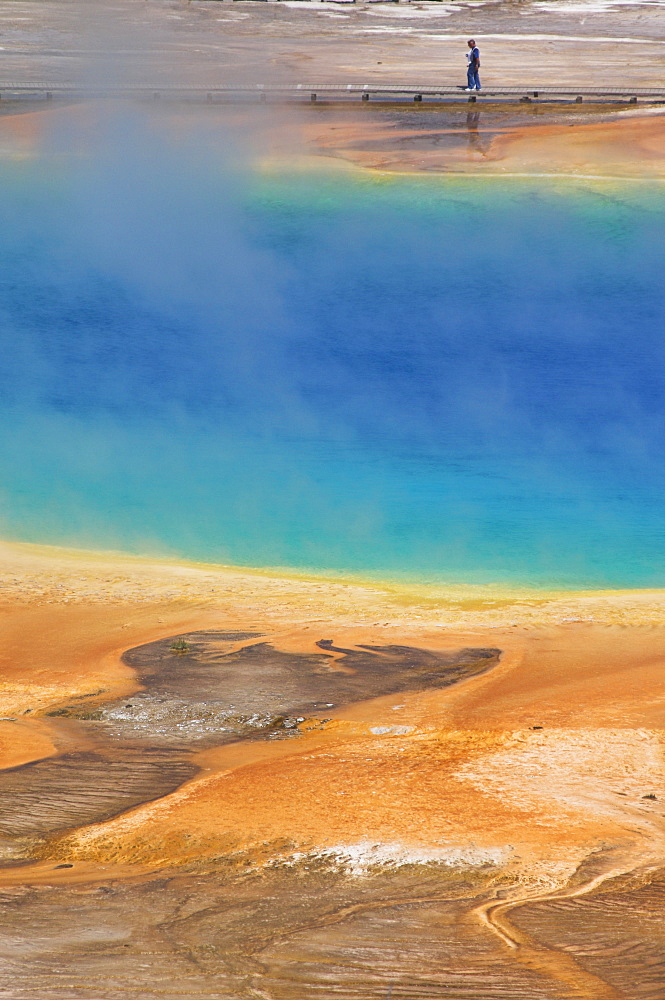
x,y
478,142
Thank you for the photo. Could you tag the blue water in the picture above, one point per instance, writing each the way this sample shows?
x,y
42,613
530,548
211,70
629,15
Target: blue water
x,y
441,378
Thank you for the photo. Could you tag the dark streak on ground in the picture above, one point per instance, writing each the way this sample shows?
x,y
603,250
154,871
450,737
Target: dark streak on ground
x,y
284,931
209,694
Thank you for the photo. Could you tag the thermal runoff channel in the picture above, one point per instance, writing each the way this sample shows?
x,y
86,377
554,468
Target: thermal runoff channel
x,y
438,377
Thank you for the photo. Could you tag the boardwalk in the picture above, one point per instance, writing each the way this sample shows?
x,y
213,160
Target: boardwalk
x,y
342,92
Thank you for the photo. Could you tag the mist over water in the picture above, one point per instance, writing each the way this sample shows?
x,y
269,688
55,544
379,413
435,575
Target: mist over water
x,y
442,378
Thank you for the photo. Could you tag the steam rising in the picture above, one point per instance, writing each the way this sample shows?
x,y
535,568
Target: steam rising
x,y
456,379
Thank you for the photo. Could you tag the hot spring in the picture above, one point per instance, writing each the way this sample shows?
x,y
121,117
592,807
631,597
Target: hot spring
x,y
443,378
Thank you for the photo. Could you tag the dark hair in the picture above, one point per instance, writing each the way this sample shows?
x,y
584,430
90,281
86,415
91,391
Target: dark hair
x,y
471,41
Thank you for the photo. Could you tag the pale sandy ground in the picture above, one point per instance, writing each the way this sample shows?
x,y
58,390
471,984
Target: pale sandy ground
x,y
523,42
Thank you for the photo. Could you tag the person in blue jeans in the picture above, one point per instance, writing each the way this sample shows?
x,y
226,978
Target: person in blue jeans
x,y
473,57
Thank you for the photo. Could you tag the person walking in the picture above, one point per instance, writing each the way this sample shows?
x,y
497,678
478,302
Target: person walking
x,y
472,73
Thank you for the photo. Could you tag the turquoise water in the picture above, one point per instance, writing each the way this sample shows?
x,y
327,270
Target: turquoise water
x,y
441,378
